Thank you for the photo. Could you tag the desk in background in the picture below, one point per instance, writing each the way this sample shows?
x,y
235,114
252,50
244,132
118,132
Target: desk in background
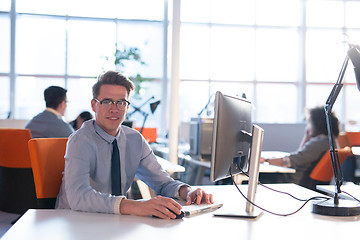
x,y
203,166
73,225
168,166
356,150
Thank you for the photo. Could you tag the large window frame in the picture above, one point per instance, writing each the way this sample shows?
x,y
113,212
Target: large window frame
x,y
196,87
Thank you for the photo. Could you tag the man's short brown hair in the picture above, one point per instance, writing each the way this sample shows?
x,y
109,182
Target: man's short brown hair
x,y
112,78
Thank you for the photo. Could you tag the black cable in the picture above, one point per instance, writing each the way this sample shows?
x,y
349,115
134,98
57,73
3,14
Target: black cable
x,y
277,214
351,196
275,190
278,191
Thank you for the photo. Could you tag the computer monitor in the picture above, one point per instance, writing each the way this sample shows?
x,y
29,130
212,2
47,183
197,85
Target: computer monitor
x,y
236,146
200,138
231,136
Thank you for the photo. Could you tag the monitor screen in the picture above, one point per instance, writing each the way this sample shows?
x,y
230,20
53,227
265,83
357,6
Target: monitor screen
x,y
231,136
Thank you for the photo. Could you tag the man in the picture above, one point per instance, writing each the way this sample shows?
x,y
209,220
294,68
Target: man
x,y
87,183
50,123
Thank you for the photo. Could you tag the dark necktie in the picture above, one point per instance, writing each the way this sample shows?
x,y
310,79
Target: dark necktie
x,y
115,170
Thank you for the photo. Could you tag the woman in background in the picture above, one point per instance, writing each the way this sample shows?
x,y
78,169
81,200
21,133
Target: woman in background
x,y
314,145
84,116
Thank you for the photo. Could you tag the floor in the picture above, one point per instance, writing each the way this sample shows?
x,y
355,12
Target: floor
x,y
5,221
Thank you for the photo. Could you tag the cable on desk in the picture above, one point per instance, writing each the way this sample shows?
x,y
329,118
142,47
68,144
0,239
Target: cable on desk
x,y
278,191
277,214
351,196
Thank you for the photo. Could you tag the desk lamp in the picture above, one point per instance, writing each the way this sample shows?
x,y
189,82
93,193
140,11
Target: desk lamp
x,y
153,107
336,206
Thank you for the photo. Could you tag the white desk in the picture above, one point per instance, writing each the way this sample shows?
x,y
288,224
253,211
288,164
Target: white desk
x,y
69,225
350,188
169,166
356,150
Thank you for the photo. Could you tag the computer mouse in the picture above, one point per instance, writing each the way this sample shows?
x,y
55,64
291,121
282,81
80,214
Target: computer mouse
x,y
178,216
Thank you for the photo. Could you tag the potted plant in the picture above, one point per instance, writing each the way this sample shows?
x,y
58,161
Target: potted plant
x,y
127,55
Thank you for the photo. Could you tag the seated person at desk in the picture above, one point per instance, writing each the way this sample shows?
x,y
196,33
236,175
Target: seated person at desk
x,y
50,123
83,116
314,145
93,182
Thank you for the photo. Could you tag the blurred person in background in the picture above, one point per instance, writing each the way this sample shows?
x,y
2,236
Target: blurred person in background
x,y
50,123
84,116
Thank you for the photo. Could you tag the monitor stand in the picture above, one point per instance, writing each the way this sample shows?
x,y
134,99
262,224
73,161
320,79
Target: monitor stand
x,y
255,153
240,214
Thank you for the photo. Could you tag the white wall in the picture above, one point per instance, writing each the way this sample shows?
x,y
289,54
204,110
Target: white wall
x,y
13,123
277,137
282,137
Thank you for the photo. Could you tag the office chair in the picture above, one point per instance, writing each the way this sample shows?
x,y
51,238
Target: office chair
x,y
343,140
322,172
354,138
47,159
149,134
17,189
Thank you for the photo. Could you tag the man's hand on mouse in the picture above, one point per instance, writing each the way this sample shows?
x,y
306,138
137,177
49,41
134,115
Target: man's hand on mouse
x,y
164,207
159,206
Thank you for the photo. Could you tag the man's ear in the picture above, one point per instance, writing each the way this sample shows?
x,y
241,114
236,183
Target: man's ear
x,y
62,107
93,103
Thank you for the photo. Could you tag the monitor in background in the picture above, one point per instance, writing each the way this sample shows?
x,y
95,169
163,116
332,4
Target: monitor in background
x,y
200,138
236,147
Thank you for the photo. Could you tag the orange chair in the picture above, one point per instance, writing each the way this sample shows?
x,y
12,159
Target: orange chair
x,y
354,138
343,140
47,159
17,190
149,134
323,171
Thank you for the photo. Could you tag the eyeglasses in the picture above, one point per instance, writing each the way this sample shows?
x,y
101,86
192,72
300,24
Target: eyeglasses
x,y
120,104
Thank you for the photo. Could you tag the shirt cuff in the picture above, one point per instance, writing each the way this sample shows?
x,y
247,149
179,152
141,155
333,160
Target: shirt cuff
x,y
286,161
117,204
177,192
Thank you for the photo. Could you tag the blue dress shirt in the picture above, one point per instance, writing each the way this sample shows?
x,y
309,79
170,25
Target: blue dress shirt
x,y
86,184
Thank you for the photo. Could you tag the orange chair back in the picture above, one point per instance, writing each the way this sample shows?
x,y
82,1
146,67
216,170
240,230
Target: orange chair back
x,y
14,152
323,170
149,134
17,190
47,159
354,138
343,140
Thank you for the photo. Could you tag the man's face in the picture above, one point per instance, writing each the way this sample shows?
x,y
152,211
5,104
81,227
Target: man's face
x,y
110,118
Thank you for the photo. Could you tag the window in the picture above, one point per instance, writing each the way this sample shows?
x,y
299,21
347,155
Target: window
x,y
5,43
40,45
62,43
4,97
279,53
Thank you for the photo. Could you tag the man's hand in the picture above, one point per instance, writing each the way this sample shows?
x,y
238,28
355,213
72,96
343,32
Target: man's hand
x,y
158,206
196,196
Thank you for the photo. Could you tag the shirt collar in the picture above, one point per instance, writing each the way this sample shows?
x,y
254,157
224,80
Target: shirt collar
x,y
53,111
104,135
